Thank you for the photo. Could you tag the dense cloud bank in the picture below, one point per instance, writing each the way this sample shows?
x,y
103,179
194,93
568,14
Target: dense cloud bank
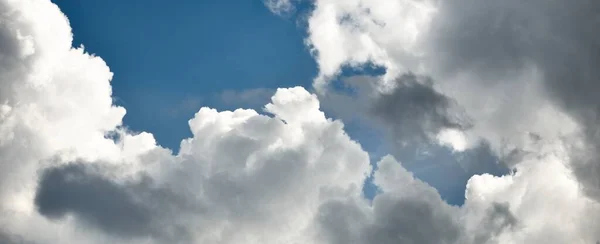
x,y
70,173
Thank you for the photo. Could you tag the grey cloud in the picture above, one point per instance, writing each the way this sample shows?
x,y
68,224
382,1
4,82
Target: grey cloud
x,y
414,110
420,217
412,212
8,238
488,36
341,222
408,117
498,219
130,210
495,39
413,221
393,220
481,159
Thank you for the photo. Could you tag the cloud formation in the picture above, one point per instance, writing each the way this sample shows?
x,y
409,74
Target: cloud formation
x,y
416,112
523,73
69,173
279,7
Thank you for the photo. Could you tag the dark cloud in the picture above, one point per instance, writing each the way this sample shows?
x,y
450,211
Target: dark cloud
x,y
415,111
128,210
418,219
342,222
496,39
405,221
412,221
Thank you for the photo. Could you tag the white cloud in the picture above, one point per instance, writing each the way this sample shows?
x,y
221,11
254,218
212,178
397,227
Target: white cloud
x,y
351,33
452,138
279,7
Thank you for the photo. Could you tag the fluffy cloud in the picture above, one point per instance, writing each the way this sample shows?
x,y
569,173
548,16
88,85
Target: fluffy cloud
x,y
47,108
524,75
70,174
265,192
74,176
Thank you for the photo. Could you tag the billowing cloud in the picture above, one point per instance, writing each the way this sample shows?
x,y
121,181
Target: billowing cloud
x,y
523,73
70,174
265,192
74,176
445,41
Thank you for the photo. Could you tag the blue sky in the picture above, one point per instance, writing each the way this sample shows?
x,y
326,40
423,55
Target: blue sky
x,y
171,59
180,56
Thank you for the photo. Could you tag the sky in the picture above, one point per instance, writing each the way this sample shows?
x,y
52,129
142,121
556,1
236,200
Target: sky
x,y
187,54
295,121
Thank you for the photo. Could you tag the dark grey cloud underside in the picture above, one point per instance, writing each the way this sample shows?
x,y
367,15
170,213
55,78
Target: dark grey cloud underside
x,y
494,39
129,210
422,218
99,201
416,220
413,221
414,110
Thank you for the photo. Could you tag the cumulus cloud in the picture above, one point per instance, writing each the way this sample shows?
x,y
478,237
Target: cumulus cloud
x,y
70,174
425,38
266,192
522,72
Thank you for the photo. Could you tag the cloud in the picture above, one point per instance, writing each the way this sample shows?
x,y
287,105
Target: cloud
x,y
416,112
425,38
70,173
206,193
48,108
495,41
77,176
11,239
408,211
515,69
279,7
130,209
